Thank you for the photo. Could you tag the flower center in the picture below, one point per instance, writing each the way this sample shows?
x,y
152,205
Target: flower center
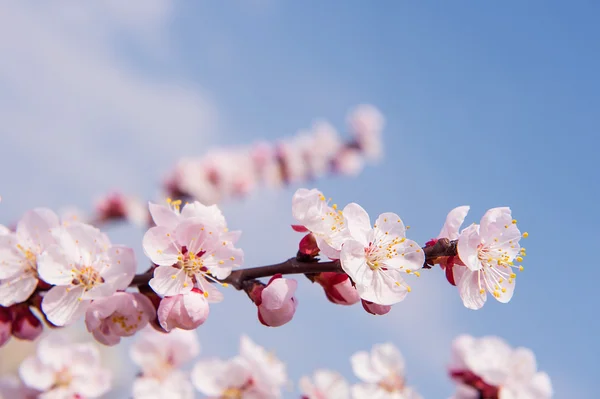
x,y
191,262
63,378
126,323
232,393
87,276
392,383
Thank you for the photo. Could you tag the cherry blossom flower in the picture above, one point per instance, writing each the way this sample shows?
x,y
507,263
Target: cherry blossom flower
x,y
160,357
349,162
116,206
255,374
19,255
61,369
189,254
338,288
489,367
119,315
311,210
82,266
186,311
489,250
375,258
171,215
325,384
276,302
382,373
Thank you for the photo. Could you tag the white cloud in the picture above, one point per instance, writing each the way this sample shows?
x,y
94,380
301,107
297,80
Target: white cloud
x,y
77,95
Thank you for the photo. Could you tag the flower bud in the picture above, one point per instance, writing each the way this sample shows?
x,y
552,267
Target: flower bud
x,y
25,324
185,311
374,308
338,288
5,325
308,246
277,302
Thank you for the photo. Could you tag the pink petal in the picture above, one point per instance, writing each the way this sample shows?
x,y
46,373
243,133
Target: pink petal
x,y
36,375
159,245
467,247
358,222
17,289
53,266
11,259
390,223
163,216
121,267
34,228
470,291
170,281
454,220
186,311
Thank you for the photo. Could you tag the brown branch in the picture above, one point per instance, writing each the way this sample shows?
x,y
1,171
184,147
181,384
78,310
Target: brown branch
x,y
304,265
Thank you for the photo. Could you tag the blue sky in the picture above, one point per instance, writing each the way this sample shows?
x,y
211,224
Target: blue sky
x,y
487,104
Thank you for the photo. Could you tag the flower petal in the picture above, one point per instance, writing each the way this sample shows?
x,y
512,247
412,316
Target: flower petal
x,y
386,288
35,227
159,245
17,289
390,223
470,290
467,247
54,267
358,222
62,305
163,216
387,359
12,261
454,220
169,281
121,267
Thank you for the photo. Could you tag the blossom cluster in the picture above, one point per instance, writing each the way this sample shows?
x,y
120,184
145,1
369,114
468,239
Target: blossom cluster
x,y
312,153
374,258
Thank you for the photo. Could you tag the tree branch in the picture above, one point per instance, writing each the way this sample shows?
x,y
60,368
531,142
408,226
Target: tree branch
x,y
305,265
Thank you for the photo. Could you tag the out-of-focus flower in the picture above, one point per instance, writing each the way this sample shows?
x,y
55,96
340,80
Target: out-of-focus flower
x,y
338,288
254,374
325,384
488,250
61,369
160,357
186,311
119,315
117,206
11,387
367,123
82,266
25,324
488,367
5,325
382,373
375,258
19,255
276,301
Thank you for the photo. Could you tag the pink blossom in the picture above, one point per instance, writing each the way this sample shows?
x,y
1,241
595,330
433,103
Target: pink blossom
x,y
19,255
338,288
375,309
82,266
325,384
308,246
349,162
488,250
277,303
367,123
189,254
5,325
160,357
173,214
185,311
62,369
375,258
119,315
382,373
489,367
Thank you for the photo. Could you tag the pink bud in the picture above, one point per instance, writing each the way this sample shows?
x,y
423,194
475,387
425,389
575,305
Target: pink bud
x,y
374,308
25,324
308,245
5,325
277,302
299,228
119,315
338,288
185,311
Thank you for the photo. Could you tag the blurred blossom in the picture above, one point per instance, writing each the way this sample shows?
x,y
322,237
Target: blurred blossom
x,y
325,384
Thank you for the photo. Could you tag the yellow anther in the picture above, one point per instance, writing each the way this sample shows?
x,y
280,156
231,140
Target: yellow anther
x,y
334,206
221,262
408,271
407,227
232,258
514,221
408,288
519,259
513,275
503,290
225,285
525,235
173,277
397,283
169,200
417,274
481,291
521,268
205,294
322,197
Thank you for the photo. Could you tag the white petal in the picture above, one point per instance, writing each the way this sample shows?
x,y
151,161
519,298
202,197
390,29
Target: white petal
x,y
387,359
209,376
197,236
12,261
468,243
363,368
358,222
54,267
390,223
159,245
386,288
470,290
169,281
354,262
454,220
62,306
35,228
17,289
164,216
35,374
120,268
